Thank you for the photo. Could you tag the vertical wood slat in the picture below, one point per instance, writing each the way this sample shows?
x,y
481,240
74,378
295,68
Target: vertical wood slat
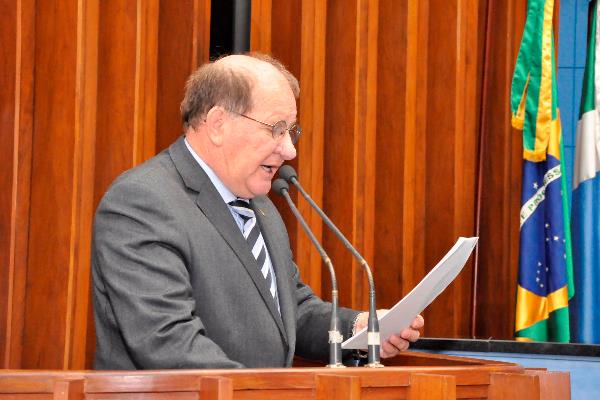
x,y
83,184
451,152
116,99
501,177
260,28
399,184
116,91
286,45
365,116
413,200
337,387
440,172
8,121
303,54
49,265
182,36
201,33
465,155
310,148
127,82
144,123
432,387
349,101
310,54
338,200
17,79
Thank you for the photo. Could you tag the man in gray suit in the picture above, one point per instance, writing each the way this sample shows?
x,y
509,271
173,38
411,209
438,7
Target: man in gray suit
x,y
191,262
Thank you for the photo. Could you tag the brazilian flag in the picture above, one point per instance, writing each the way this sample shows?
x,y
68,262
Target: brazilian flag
x,y
545,282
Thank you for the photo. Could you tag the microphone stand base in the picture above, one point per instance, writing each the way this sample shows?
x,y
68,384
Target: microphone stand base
x,y
338,365
374,365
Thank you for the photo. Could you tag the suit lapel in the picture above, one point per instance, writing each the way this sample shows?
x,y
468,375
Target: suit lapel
x,y
214,208
279,259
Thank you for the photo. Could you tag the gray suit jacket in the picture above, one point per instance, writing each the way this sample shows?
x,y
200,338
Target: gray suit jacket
x,y
175,284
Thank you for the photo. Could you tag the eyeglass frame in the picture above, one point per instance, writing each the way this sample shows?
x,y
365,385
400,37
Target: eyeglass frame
x,y
293,136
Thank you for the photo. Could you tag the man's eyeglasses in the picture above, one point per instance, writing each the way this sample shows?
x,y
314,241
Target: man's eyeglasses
x,y
279,128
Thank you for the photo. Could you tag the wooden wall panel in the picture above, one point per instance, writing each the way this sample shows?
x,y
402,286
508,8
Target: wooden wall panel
x,y
8,69
184,28
114,147
301,47
144,115
311,147
60,216
17,122
440,144
285,44
116,91
147,49
365,135
401,103
391,121
51,191
95,86
288,43
338,171
140,85
395,96
501,176
260,25
405,188
451,152
78,301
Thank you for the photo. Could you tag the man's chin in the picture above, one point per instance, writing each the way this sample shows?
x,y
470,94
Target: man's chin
x,y
261,189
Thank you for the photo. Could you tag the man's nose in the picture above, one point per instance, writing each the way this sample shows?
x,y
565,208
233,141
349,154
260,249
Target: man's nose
x,y
286,148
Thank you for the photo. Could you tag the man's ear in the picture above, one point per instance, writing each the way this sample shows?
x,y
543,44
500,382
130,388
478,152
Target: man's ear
x,y
216,119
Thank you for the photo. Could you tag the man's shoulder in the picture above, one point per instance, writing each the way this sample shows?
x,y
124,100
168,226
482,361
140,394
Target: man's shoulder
x,y
154,170
156,175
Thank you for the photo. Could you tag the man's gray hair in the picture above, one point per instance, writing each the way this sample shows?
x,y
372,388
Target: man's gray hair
x,y
216,84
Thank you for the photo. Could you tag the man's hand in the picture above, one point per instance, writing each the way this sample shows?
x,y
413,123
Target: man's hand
x,y
397,342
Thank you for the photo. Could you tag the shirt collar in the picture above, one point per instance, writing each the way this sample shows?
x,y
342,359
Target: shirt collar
x,y
218,184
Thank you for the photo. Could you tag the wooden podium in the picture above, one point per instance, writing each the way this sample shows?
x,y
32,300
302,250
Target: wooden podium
x,y
411,375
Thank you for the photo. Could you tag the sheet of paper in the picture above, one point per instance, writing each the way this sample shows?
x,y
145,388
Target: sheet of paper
x,y
404,312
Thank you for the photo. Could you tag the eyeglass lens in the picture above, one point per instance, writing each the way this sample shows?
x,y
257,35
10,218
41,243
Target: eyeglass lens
x,y
280,127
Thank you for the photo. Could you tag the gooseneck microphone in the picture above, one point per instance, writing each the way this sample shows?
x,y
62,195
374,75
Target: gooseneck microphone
x,y
335,337
288,173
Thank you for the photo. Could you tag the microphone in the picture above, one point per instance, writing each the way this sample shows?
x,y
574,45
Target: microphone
x,y
288,173
281,187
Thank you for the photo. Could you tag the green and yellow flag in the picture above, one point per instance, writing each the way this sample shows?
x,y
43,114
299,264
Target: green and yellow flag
x,y
545,282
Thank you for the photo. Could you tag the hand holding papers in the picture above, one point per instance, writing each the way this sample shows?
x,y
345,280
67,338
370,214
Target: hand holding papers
x,y
404,312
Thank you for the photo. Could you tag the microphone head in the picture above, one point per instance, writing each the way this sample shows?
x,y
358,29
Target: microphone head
x,y
287,172
279,185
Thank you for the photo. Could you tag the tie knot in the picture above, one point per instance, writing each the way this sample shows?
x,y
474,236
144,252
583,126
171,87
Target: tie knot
x,y
240,203
242,208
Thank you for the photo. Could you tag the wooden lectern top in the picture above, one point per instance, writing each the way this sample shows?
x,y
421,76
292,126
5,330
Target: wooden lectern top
x,y
411,375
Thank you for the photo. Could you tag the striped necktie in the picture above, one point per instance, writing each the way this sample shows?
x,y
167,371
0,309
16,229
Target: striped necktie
x,y
254,238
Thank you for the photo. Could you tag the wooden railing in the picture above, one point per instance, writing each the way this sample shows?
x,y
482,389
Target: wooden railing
x,y
414,376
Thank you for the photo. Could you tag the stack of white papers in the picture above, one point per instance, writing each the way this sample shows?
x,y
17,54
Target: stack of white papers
x,y
404,312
